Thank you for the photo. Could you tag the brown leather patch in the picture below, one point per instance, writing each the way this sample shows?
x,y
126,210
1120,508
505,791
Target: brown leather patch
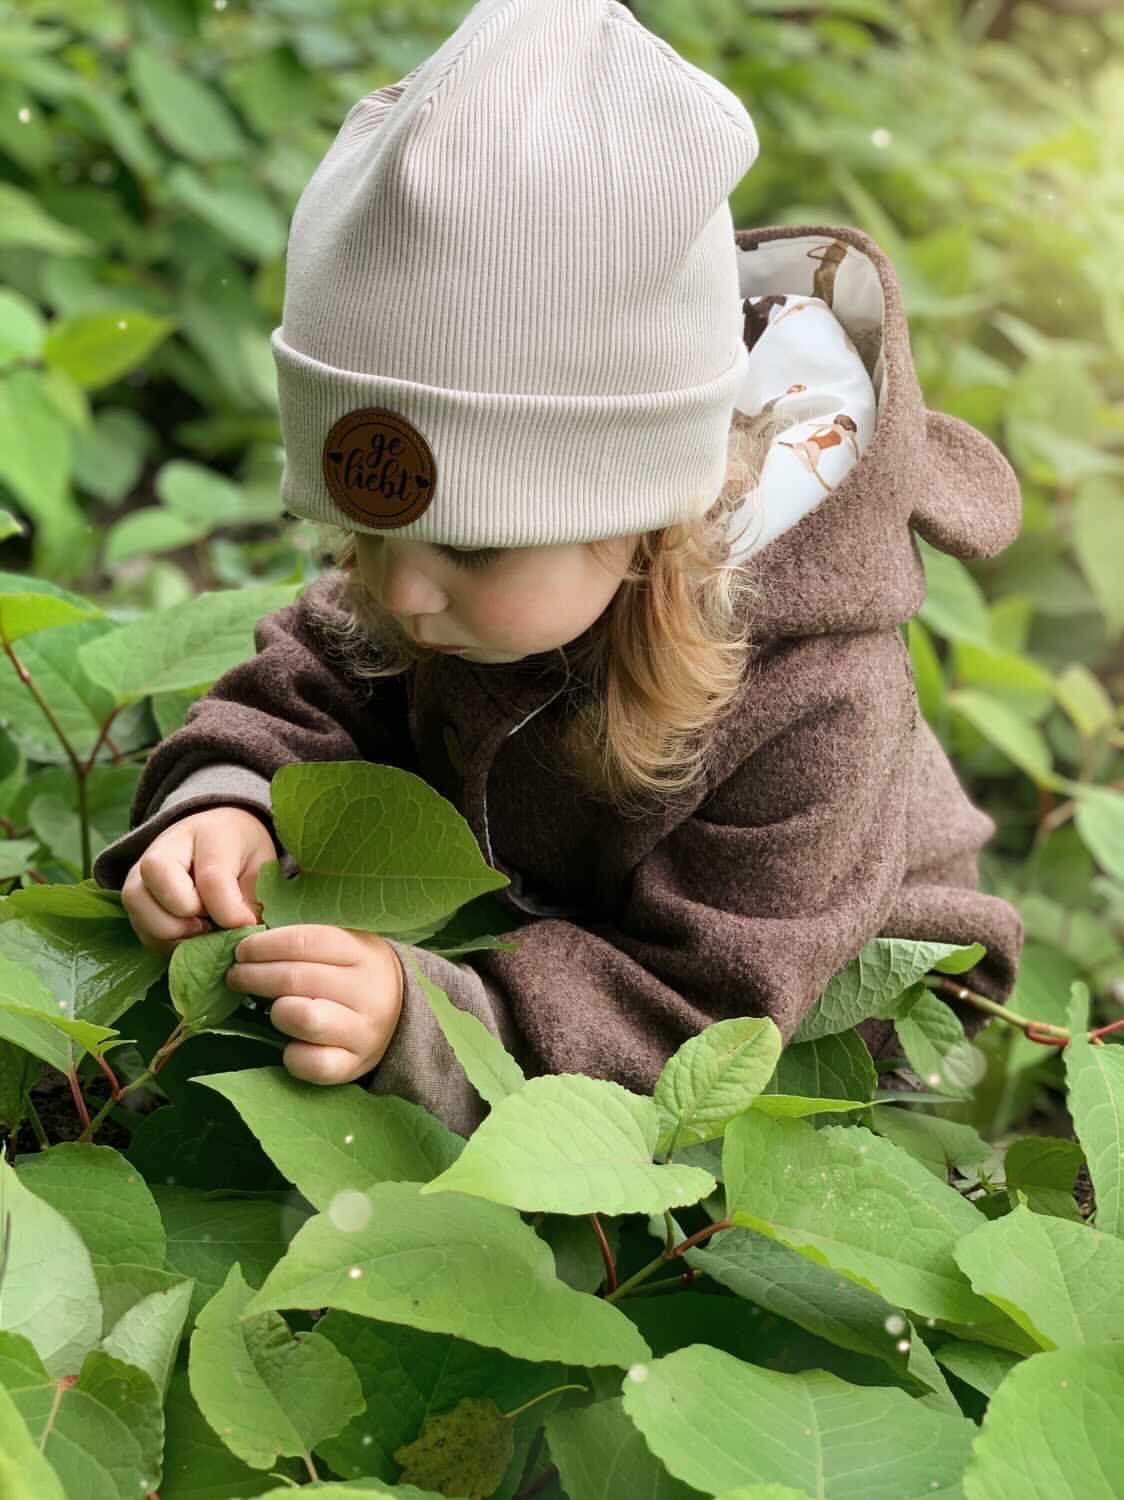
x,y
379,468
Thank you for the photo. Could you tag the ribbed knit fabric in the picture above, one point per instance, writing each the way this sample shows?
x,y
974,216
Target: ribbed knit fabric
x,y
511,310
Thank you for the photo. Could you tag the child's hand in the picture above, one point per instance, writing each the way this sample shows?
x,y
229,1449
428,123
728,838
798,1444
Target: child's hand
x,y
338,991
204,865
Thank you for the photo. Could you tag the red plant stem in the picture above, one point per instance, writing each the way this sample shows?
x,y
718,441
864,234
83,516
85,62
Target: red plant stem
x,y
103,738
114,1082
697,1238
76,1095
606,1254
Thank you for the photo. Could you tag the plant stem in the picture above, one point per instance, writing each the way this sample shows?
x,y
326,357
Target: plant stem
x,y
606,1254
158,1061
68,749
538,1484
509,1416
79,1100
645,1272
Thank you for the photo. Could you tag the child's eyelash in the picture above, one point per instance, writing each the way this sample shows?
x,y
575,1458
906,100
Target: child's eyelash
x,y
478,559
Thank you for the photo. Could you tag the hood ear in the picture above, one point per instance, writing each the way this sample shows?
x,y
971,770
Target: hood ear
x,y
972,505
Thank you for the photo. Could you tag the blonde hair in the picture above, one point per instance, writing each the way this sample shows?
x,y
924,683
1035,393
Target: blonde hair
x,y
659,667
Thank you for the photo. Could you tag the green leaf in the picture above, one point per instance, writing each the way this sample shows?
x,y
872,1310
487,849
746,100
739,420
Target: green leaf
x,y
1059,1280
1045,1168
713,1077
716,1422
18,1072
851,1200
105,1200
407,1374
488,1066
831,1067
97,348
979,1366
102,1434
35,457
27,605
934,1042
197,977
465,1451
57,819
928,675
22,327
872,984
207,1233
24,1473
937,1143
1051,1432
16,856
24,223
149,530
235,207
78,704
1100,822
182,647
796,1106
378,849
335,1143
109,456
1095,1076
954,604
197,1463
85,901
601,1455
192,118
1085,700
450,1264
572,1145
1098,540
1022,744
94,969
50,1295
148,1334
813,1296
266,1391
48,1036
1026,688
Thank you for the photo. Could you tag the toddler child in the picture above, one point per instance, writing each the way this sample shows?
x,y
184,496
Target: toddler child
x,y
623,506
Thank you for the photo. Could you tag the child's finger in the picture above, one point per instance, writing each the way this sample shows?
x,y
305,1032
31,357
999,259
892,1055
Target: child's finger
x,y
156,927
312,1019
323,1065
215,868
168,883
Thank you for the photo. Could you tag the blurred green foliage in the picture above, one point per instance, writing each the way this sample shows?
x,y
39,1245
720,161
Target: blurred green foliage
x,y
151,154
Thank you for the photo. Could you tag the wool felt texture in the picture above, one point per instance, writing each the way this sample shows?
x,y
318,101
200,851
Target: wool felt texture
x,y
830,814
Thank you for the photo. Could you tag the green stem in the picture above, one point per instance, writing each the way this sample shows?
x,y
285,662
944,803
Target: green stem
x,y
68,749
646,1272
509,1416
981,1002
35,1122
161,1057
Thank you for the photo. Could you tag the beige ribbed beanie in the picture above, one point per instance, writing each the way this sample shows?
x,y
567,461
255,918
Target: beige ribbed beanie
x,y
511,312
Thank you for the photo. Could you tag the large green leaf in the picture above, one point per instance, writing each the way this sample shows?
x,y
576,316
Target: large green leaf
x,y
1052,1431
934,1043
1098,539
148,1334
35,465
337,1141
30,1018
450,1264
24,1473
713,1077
1062,1282
183,647
197,1463
94,969
572,1145
1095,1076
602,1455
851,1200
188,113
792,1286
31,604
937,1143
1045,1169
872,984
716,1422
105,1200
954,604
97,348
488,1066
1022,743
266,1391
208,1233
1100,822
103,1434
378,849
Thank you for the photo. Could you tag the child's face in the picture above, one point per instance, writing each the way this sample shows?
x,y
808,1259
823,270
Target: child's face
x,y
497,605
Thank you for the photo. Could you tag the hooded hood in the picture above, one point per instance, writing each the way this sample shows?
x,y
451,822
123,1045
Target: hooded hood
x,y
847,560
